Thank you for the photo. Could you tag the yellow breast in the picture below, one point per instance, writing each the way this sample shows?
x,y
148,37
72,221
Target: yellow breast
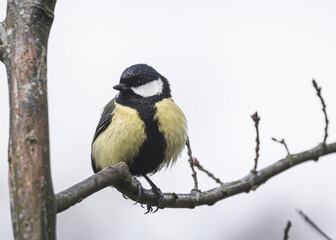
x,y
173,125
121,140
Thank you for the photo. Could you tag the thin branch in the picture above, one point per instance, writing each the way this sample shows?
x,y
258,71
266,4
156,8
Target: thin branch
x,y
211,175
312,224
286,231
283,143
256,120
119,176
318,93
191,162
194,162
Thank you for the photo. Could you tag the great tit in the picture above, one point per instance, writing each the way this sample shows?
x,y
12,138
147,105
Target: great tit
x,y
141,126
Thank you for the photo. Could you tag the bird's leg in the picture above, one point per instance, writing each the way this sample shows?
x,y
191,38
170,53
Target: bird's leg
x,y
140,189
156,190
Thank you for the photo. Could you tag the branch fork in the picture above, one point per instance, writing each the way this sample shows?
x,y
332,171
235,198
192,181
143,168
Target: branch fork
x,y
119,176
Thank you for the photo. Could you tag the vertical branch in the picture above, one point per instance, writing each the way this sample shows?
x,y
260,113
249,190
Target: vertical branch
x,y
23,48
318,93
256,120
191,162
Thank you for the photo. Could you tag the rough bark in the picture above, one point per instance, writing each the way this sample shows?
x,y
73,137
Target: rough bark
x,y
23,48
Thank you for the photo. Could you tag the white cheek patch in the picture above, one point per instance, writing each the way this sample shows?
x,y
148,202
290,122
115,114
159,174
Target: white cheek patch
x,y
149,89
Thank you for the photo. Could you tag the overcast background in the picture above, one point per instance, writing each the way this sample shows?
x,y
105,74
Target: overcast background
x,y
224,60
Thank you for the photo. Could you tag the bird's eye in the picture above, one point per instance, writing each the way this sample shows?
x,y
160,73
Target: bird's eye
x,y
139,83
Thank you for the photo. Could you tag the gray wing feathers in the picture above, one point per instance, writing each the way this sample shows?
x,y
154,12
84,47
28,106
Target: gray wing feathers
x,y
104,122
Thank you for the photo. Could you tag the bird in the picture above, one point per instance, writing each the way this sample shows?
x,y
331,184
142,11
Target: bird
x,y
141,127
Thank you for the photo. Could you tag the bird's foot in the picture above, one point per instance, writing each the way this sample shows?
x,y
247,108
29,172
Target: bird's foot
x,y
140,190
158,192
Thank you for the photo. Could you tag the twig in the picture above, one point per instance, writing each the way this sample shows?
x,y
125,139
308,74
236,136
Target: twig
x,y
286,233
200,167
283,143
256,120
194,174
318,92
311,223
119,176
194,162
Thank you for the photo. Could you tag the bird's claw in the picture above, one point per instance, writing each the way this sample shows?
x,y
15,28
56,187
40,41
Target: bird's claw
x,y
154,189
157,191
140,189
124,196
149,209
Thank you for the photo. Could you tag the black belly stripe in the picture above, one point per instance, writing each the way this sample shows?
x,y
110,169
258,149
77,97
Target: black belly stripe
x,y
152,152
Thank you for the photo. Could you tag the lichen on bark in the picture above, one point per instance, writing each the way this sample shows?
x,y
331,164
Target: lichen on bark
x,y
23,49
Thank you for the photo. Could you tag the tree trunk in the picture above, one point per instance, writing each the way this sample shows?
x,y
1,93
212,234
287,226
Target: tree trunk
x,y
23,48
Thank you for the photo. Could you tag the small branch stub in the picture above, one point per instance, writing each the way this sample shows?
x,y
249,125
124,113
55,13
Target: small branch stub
x,y
318,93
256,120
282,141
286,231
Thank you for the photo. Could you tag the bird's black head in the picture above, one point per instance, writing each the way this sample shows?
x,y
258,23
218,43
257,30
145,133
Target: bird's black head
x,y
140,81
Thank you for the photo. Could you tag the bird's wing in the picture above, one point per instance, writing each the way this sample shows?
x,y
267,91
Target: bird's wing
x,y
104,122
102,125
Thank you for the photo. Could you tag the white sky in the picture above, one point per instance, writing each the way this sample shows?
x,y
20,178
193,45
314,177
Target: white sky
x,y
224,60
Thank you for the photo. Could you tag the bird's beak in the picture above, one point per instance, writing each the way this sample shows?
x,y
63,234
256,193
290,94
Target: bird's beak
x,y
120,87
